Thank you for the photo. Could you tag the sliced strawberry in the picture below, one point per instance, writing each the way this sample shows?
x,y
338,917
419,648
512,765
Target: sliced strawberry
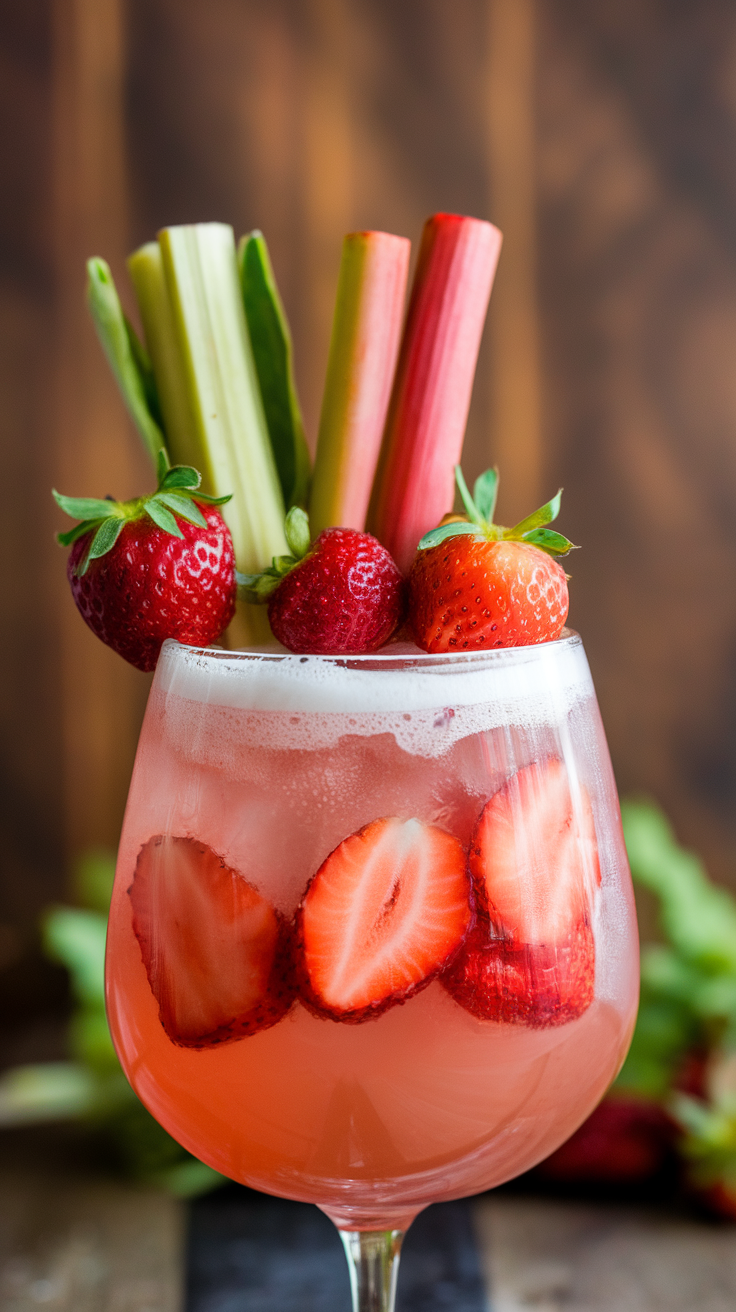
x,y
383,915
215,950
534,854
530,958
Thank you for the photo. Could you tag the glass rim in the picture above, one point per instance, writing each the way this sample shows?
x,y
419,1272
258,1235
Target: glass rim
x,y
381,660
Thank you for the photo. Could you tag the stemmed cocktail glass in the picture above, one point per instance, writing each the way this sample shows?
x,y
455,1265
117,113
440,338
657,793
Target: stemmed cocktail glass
x,y
252,769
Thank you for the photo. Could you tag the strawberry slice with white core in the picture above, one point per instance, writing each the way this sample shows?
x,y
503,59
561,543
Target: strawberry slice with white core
x,y
535,856
530,957
383,915
214,949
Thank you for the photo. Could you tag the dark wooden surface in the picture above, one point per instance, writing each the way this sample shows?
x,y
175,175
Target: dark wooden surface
x,y
74,1240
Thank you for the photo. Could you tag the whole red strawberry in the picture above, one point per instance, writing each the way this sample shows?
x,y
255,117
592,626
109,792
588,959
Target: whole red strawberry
x,y
474,584
342,593
158,567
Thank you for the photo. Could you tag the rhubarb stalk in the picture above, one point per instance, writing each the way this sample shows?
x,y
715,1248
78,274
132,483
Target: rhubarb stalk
x,y
360,370
434,379
146,270
200,267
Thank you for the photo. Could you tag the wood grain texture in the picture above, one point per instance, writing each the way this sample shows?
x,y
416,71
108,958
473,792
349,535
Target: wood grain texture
x,y
573,1257
515,419
638,293
88,1245
96,450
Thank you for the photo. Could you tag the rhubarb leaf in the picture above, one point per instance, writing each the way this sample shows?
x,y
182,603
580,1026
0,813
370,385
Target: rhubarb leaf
x,y
272,352
114,335
145,369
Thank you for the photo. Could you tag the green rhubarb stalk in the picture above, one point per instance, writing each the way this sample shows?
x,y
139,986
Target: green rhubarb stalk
x,y
127,357
360,370
234,451
270,339
434,379
146,270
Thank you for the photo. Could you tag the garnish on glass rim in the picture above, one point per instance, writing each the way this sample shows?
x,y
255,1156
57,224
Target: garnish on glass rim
x,y
156,567
476,584
340,593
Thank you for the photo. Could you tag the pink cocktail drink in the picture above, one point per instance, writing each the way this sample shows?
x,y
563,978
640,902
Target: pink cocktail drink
x,y
268,764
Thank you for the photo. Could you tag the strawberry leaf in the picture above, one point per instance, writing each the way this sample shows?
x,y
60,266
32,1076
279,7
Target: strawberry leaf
x,y
86,507
468,501
296,528
79,530
214,501
256,588
544,515
445,531
183,506
163,518
102,542
281,566
181,476
485,493
547,540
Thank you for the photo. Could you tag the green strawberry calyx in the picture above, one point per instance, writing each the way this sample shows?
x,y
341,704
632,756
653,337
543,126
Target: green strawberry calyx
x,y
178,485
257,588
479,524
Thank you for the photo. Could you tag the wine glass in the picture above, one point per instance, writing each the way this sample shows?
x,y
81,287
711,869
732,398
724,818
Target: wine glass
x,y
372,1047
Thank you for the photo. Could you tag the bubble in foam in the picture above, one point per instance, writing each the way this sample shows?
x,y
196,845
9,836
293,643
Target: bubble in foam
x,y
427,703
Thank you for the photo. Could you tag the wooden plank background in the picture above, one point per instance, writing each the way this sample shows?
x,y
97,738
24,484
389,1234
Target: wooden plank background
x,y
600,137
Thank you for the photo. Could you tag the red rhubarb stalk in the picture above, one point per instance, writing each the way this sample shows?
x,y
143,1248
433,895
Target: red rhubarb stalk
x,y
434,380
363,350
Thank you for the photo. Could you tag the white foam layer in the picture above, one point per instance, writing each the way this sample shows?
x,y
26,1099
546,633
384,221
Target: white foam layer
x,y
427,702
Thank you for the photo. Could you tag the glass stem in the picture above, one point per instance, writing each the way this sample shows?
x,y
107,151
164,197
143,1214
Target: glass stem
x,y
373,1259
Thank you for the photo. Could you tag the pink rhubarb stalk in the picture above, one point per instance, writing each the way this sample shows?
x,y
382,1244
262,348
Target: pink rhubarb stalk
x,y
428,412
360,371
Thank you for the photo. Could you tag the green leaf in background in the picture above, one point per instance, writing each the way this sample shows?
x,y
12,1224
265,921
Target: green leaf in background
x,y
50,1091
115,334
76,938
688,985
94,874
698,918
272,351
